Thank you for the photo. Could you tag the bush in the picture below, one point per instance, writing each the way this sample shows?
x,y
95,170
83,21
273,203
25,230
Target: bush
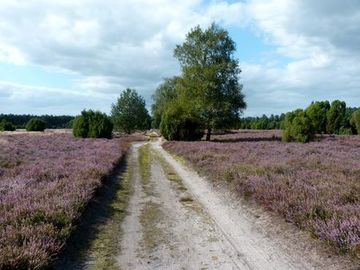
x,y
35,124
345,131
355,121
6,126
298,127
92,124
179,125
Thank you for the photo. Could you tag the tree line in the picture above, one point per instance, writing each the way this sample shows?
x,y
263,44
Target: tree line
x,y
263,122
51,121
321,117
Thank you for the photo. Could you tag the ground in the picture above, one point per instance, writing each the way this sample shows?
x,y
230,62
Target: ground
x,y
176,219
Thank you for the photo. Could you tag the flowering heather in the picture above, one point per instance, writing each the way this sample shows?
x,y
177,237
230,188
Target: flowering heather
x,y
45,183
315,186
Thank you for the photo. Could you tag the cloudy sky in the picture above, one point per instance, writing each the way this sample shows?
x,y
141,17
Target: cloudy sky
x,y
58,57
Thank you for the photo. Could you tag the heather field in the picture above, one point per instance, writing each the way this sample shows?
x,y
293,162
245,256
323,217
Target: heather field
x,y
45,183
315,185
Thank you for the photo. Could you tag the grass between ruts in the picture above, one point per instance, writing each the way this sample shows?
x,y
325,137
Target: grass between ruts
x,y
107,241
145,168
151,214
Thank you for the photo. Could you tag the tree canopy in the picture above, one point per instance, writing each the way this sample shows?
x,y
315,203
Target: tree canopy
x,y
210,77
129,112
163,96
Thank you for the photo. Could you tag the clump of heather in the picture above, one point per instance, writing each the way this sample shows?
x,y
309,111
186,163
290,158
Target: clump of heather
x,y
45,183
315,186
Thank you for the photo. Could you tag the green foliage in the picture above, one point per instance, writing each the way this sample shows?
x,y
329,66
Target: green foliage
x,y
355,120
335,117
52,121
179,124
298,127
345,131
6,125
317,112
264,122
210,77
164,94
92,124
129,113
35,124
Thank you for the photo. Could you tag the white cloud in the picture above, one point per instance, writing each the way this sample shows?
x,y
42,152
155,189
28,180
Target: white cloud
x,y
115,44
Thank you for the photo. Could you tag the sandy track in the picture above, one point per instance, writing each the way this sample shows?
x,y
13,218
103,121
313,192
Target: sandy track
x,y
183,236
259,240
179,220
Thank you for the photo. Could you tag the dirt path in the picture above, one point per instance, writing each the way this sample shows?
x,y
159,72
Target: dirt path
x,y
176,219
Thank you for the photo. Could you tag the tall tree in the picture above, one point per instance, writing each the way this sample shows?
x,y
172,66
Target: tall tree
x,y
210,76
129,112
335,116
317,113
163,96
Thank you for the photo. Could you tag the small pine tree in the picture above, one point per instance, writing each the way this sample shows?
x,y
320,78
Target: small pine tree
x,y
298,127
355,121
35,124
6,126
92,124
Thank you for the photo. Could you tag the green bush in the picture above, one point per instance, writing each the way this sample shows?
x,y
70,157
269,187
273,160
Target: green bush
x,y
6,126
298,127
345,131
355,121
92,124
180,125
35,124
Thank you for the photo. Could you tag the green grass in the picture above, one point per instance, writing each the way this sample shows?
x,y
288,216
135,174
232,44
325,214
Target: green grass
x,y
145,168
106,245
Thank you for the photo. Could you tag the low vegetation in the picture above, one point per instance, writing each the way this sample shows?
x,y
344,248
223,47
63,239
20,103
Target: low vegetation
x,y
45,183
315,186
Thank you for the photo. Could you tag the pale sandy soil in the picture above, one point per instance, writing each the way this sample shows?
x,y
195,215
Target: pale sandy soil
x,y
179,220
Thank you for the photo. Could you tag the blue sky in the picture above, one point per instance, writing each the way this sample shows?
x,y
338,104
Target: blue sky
x,y
70,55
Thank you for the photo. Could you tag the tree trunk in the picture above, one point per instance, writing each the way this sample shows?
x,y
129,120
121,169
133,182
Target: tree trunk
x,y
208,134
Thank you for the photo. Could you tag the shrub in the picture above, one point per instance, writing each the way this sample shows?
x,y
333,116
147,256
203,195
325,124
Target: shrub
x,y
6,126
355,121
180,125
298,127
35,124
345,131
92,124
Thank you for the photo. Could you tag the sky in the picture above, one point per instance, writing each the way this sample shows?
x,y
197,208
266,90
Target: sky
x,y
59,57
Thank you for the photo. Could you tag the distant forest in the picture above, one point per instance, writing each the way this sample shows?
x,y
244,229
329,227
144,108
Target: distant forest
x,y
345,127
52,121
